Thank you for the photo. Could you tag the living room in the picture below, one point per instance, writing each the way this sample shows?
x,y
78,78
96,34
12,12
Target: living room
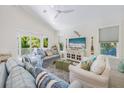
x,y
75,34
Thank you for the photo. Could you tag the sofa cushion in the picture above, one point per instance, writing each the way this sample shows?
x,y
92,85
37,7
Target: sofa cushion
x,y
20,78
98,65
3,75
12,62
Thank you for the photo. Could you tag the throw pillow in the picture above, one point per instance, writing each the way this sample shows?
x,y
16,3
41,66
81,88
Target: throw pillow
x,y
121,66
54,50
92,58
98,65
85,65
39,51
48,52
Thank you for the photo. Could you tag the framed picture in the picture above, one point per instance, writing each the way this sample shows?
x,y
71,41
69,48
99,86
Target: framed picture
x,y
45,42
79,42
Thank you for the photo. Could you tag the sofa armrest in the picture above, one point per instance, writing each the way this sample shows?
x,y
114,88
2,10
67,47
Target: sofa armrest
x,y
3,75
87,77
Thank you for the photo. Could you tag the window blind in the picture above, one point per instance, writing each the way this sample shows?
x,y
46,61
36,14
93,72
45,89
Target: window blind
x,y
109,34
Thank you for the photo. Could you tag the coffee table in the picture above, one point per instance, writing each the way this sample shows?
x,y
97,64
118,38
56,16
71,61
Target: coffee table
x,y
63,64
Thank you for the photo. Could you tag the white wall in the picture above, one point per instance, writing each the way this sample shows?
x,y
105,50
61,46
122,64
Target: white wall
x,y
13,19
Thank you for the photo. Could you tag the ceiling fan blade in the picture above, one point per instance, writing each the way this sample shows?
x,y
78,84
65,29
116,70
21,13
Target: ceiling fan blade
x,y
67,11
57,15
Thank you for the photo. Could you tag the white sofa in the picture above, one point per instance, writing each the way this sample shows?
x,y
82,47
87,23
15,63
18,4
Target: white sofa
x,y
88,78
116,77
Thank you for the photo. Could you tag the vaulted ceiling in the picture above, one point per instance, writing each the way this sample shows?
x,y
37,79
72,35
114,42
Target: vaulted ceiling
x,y
75,15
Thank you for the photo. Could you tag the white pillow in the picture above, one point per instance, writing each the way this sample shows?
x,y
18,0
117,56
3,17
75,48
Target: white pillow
x,y
98,65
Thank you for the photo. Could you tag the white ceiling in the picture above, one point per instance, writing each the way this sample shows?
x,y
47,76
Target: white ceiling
x,y
81,15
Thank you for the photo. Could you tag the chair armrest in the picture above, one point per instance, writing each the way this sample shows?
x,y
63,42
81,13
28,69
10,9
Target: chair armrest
x,y
88,77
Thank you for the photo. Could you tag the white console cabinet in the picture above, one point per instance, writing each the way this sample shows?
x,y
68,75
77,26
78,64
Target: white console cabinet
x,y
75,54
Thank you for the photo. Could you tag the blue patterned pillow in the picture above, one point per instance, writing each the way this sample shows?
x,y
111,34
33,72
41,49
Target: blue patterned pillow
x,y
39,51
92,58
46,80
121,66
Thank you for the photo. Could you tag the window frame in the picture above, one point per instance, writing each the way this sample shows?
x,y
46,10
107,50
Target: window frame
x,y
19,35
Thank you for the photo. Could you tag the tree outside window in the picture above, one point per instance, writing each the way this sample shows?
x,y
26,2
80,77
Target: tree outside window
x,y
35,42
45,42
108,48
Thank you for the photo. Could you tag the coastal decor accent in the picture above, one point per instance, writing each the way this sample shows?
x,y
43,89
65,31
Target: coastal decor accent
x,y
77,33
79,42
66,44
45,42
92,47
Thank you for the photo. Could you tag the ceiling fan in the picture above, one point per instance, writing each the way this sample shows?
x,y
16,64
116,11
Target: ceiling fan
x,y
62,12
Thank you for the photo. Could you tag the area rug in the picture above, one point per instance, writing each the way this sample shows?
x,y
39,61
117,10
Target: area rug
x,y
60,73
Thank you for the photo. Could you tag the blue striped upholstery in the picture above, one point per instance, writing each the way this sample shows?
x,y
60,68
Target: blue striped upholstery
x,y
46,80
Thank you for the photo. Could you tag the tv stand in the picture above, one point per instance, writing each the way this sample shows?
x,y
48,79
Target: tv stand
x,y
75,55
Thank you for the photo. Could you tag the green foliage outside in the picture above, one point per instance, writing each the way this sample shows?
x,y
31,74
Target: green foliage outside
x,y
108,48
25,42
35,42
45,42
108,45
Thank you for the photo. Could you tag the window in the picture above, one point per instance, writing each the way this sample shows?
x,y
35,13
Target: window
x,y
109,48
26,43
45,42
109,38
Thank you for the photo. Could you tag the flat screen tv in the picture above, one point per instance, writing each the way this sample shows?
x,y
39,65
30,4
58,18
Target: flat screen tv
x,y
79,42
